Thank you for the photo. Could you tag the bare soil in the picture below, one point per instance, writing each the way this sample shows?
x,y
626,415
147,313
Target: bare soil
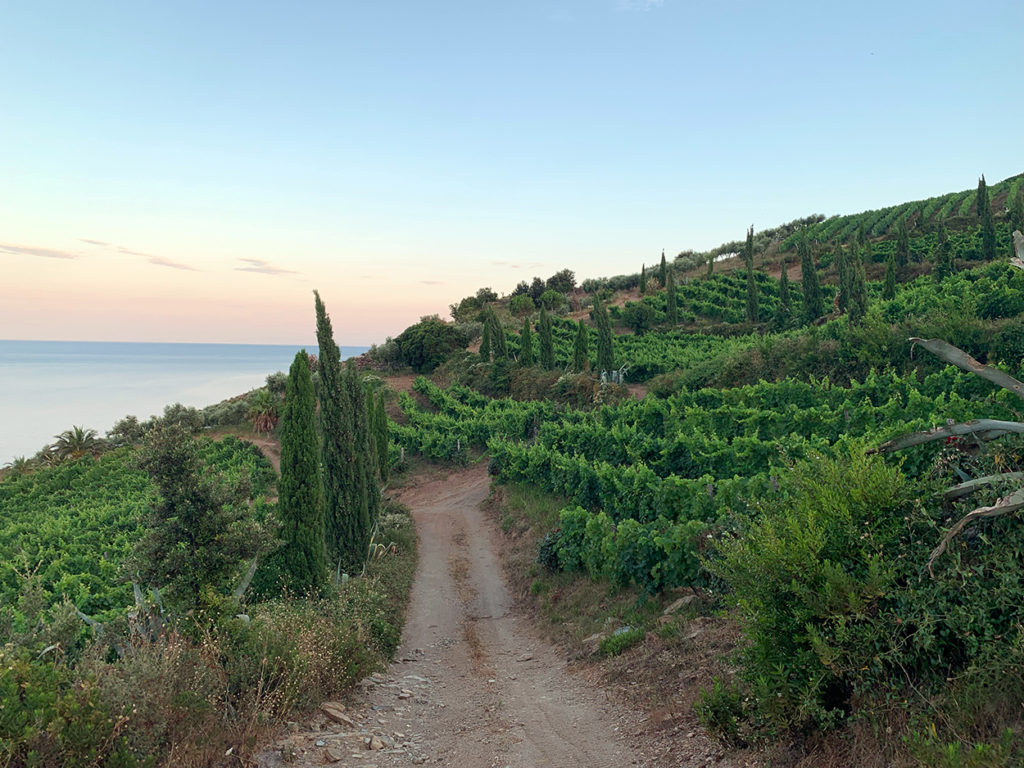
x,y
473,684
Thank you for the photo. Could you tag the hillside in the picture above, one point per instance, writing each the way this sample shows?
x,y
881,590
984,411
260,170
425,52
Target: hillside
x,y
772,498
874,578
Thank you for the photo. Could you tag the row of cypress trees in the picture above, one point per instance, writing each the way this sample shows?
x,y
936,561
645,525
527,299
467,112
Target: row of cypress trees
x,y
332,461
493,346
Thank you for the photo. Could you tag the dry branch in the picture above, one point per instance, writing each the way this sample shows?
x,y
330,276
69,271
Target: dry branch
x,y
963,361
965,489
986,429
1003,506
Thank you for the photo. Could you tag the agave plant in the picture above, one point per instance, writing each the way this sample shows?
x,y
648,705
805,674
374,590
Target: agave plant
x,y
983,429
75,443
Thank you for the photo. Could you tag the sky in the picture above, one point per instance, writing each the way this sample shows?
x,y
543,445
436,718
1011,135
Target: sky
x,y
192,171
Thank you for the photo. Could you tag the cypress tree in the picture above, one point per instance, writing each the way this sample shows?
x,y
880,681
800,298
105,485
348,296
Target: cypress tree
x,y
988,224
337,444
944,266
485,340
711,264
842,260
868,256
382,440
499,347
858,291
902,243
671,308
663,269
889,289
605,353
302,558
813,303
547,345
364,493
1017,209
785,313
580,350
748,257
643,279
526,344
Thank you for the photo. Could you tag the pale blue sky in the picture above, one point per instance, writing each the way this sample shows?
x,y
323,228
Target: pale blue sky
x,y
227,158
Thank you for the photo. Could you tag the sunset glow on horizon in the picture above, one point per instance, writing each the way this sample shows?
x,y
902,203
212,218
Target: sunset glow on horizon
x,y
192,172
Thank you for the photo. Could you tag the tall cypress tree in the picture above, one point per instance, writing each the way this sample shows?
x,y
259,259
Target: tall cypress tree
x,y
605,353
671,307
381,438
842,259
337,446
902,243
785,312
547,344
711,264
663,269
858,291
499,347
814,306
485,340
643,279
748,258
580,349
988,224
944,265
526,344
303,557
889,288
364,492
868,256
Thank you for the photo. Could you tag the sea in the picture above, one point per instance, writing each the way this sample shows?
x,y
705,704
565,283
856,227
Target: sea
x,y
47,387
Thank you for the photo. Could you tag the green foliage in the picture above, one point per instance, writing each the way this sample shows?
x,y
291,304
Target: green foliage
x,y
620,640
813,304
643,280
858,292
428,343
526,344
988,225
721,711
671,308
552,300
807,579
1016,207
639,315
562,281
943,256
580,349
199,533
748,259
521,305
485,342
784,314
547,347
301,560
605,352
663,271
902,243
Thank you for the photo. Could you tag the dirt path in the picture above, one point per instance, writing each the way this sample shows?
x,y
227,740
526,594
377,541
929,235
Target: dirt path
x,y
472,686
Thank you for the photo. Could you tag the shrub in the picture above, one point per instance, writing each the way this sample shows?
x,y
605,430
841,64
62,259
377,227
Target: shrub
x,y
428,343
620,640
807,578
521,305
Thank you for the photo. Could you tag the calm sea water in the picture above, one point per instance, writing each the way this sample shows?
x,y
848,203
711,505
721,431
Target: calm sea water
x,y
47,387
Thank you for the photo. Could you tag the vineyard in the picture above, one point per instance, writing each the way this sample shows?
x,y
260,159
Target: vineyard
x,y
70,527
670,468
